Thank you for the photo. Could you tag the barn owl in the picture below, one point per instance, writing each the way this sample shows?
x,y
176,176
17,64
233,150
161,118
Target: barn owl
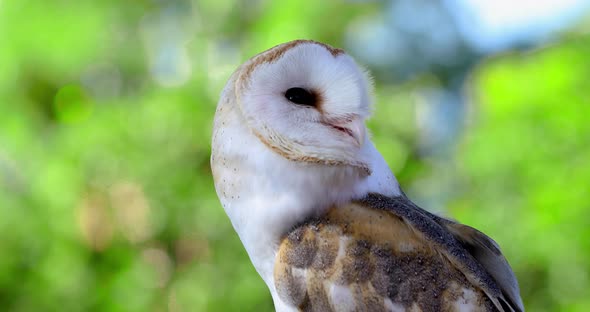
x,y
317,208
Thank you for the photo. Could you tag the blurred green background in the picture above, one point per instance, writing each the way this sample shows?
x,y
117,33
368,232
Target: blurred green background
x,y
106,196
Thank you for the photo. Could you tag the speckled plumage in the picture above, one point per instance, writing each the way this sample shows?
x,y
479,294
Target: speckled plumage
x,y
317,208
389,255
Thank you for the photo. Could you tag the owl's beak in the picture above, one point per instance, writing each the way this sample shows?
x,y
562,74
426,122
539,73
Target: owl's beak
x,y
354,127
358,130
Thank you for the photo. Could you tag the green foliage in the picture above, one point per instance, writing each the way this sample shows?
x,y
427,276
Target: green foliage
x,y
106,196
525,164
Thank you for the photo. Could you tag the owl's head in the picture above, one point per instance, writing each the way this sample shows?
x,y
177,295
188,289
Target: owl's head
x,y
307,102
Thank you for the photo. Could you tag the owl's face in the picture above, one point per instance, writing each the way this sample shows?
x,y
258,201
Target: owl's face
x,y
307,102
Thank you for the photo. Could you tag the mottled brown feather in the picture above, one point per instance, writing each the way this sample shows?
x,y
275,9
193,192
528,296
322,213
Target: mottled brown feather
x,y
379,251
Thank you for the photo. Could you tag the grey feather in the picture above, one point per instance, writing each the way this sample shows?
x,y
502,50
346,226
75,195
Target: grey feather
x,y
487,252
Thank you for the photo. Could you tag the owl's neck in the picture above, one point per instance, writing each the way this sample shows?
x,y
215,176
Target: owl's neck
x,y
265,195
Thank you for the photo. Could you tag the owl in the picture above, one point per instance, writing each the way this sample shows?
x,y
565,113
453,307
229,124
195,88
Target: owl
x,y
318,210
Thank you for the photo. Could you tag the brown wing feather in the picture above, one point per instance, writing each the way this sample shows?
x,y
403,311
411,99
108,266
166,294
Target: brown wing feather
x,y
472,252
486,251
379,254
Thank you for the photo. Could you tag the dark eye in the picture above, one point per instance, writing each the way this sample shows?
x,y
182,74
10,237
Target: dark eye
x,y
301,96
